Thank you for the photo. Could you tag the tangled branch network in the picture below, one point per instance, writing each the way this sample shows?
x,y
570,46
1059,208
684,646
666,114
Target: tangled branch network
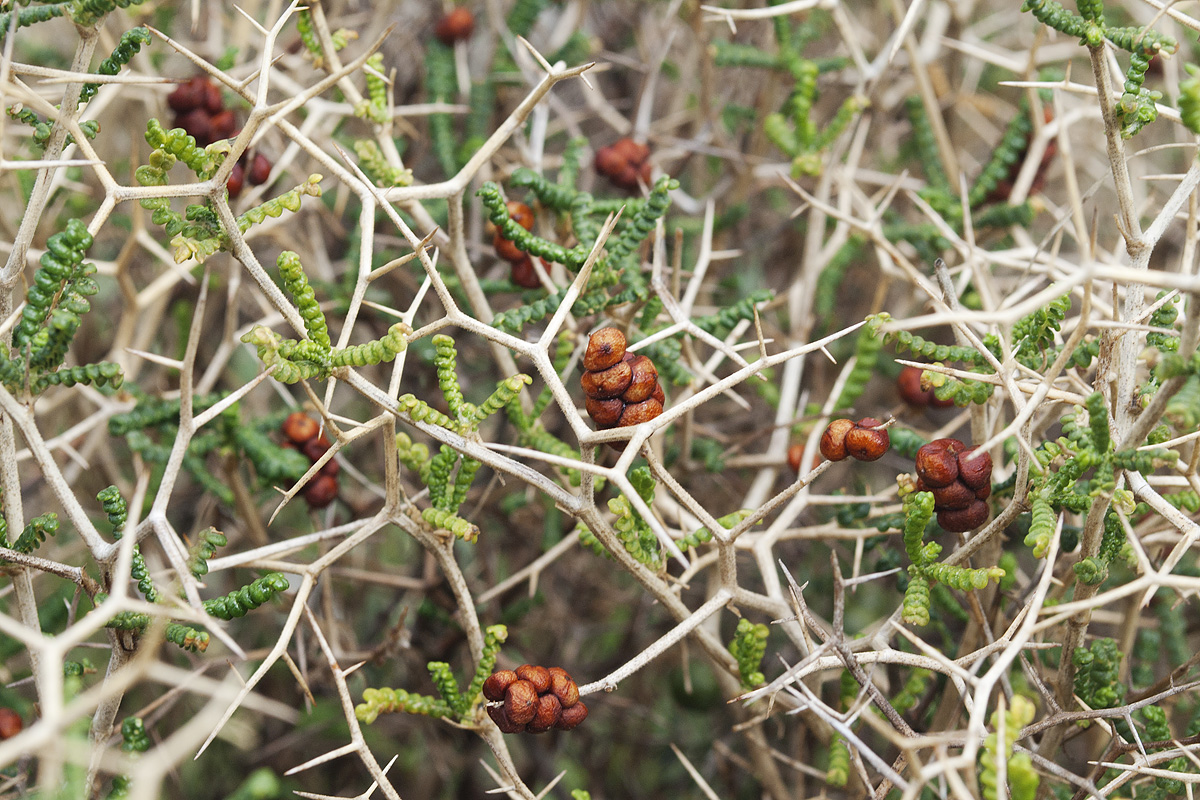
x,y
654,303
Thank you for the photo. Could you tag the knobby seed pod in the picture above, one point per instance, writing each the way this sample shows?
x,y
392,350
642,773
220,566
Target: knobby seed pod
x,y
622,388
960,479
533,699
864,440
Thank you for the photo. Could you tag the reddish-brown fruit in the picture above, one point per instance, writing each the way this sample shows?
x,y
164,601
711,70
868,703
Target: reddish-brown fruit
x,y
645,378
456,26
965,519
936,466
605,383
864,443
572,716
198,124
984,493
321,490
605,348
536,675
186,96
524,275
520,702
794,455
10,723
975,468
605,413
563,687
659,395
331,468
953,497
506,249
502,721
300,427
950,445
497,683
520,213
908,384
237,179
608,161
833,440
315,447
260,170
632,152
548,711
637,413
223,125
212,94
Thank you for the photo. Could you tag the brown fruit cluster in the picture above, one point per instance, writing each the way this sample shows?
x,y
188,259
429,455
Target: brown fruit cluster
x,y
10,723
960,486
523,274
623,162
200,111
304,433
909,386
456,26
864,440
622,388
535,699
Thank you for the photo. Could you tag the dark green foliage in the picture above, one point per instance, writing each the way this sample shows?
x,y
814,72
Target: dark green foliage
x,y
925,571
1164,317
1033,335
441,87
1008,152
1096,678
89,12
131,42
133,736
31,15
748,646
1136,108
248,598
866,356
205,548
937,352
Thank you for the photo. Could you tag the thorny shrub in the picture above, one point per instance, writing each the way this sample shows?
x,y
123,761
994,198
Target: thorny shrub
x,y
345,402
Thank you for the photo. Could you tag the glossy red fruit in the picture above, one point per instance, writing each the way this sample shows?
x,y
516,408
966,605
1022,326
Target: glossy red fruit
x,y
259,171
572,716
300,427
456,26
524,275
833,440
866,441
605,348
198,124
10,723
321,491
223,126
963,520
507,249
537,675
236,181
497,684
